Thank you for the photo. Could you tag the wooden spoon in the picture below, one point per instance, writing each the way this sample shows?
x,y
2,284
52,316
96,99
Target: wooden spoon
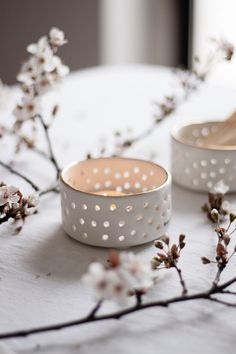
x,y
225,134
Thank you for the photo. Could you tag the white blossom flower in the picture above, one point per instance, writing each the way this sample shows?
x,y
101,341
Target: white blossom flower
x,y
214,212
137,272
28,109
219,188
57,37
43,57
8,195
61,69
40,74
30,72
107,283
129,275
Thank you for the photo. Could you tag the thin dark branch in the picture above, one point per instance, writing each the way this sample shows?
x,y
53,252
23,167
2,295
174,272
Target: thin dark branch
x,y
217,277
182,282
139,296
229,292
95,309
230,304
51,153
53,189
119,314
12,170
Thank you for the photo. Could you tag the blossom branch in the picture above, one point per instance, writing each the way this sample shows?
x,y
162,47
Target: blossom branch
x,y
53,189
189,82
51,153
12,170
182,282
169,257
207,295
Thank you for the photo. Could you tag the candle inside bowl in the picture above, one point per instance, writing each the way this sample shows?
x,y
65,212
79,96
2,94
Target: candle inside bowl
x,y
110,193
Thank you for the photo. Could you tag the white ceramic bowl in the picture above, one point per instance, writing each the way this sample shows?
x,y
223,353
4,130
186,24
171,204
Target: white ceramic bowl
x,y
199,168
138,213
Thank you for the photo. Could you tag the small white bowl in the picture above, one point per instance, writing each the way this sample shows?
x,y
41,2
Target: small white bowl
x,y
138,213
199,168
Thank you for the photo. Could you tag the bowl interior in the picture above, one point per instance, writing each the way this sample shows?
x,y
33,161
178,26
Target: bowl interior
x,y
194,134
121,175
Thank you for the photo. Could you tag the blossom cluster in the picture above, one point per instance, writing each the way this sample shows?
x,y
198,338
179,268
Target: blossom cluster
x,y
40,73
167,256
13,205
217,207
126,275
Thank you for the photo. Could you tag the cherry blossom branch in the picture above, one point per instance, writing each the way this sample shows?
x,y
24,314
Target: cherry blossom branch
x,y
37,189
50,149
12,170
182,282
92,317
189,82
53,189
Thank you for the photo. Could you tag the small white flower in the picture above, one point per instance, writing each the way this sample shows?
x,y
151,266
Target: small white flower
x,y
57,37
29,72
219,188
43,56
214,212
8,194
130,274
37,48
107,283
61,69
28,109
136,271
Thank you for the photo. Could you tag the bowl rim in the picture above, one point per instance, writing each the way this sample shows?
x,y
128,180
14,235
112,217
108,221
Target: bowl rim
x,y
176,129
167,181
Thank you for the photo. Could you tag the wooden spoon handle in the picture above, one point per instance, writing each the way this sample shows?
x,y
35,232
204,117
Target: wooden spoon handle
x,y
224,135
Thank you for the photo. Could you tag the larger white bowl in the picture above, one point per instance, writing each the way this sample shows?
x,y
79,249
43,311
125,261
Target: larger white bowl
x,y
139,213
199,168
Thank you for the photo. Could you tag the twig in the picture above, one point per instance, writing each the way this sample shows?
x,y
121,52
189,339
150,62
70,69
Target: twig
x,y
12,170
190,82
92,314
53,189
223,302
51,153
217,277
182,282
119,314
229,292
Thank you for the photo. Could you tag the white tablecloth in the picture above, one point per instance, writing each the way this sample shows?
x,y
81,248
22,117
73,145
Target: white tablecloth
x,y
40,269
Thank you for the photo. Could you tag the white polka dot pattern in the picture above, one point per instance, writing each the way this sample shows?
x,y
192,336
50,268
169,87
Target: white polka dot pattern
x,y
118,222
199,168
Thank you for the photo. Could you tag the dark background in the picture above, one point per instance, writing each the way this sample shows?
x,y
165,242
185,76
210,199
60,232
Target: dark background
x,y
24,21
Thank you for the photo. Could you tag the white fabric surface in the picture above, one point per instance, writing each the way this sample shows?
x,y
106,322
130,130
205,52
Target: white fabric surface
x,y
40,269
